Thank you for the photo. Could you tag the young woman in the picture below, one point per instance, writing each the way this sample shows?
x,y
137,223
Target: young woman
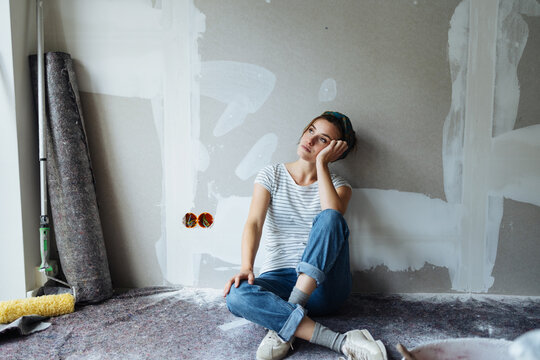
x,y
307,267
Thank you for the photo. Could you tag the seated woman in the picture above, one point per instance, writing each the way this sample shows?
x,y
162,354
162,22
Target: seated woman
x,y
307,267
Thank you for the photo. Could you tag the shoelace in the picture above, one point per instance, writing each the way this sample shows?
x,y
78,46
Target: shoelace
x,y
273,336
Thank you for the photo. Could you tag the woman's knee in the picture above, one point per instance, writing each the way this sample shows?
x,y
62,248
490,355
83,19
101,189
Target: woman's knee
x,y
236,299
331,223
333,214
232,299
331,217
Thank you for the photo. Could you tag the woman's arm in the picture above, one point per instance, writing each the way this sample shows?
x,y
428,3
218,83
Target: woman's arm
x,y
251,236
331,198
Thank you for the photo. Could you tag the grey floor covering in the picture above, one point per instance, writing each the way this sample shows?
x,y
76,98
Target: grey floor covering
x,y
188,323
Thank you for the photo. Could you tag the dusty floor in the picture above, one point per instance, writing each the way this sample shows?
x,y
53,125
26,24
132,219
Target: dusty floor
x,y
187,323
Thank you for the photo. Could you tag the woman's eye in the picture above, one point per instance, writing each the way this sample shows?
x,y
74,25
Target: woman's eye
x,y
310,131
323,140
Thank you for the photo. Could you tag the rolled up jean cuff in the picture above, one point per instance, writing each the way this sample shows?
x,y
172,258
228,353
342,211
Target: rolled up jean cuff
x,y
311,271
290,326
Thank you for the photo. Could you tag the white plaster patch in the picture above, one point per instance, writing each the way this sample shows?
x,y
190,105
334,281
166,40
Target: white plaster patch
x,y
516,140
523,189
158,116
512,36
493,224
515,165
328,90
454,125
204,157
243,87
181,97
259,156
513,170
403,231
511,39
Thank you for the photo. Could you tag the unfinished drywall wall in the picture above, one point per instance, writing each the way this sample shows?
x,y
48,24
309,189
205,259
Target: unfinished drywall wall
x,y
417,79
128,58
360,58
186,100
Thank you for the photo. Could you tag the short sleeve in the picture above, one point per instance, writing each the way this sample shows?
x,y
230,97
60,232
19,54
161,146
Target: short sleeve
x,y
266,177
338,181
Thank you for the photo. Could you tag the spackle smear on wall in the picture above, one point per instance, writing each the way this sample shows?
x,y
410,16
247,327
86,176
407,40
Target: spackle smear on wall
x,y
518,180
243,87
328,90
403,231
454,125
512,36
259,156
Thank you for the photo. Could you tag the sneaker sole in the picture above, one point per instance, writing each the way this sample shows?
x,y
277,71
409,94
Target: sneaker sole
x,y
382,348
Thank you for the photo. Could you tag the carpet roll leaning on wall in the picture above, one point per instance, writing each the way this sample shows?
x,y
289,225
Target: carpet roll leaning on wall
x,y
71,186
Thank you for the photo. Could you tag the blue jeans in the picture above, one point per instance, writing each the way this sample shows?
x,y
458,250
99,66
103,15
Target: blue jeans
x,y
325,259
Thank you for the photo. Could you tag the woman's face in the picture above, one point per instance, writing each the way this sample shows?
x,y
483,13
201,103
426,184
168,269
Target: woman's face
x,y
317,137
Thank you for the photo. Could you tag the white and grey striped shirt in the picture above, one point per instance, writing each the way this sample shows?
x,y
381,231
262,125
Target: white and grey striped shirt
x,y
290,215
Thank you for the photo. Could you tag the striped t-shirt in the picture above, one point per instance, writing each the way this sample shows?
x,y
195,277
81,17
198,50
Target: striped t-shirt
x,y
290,215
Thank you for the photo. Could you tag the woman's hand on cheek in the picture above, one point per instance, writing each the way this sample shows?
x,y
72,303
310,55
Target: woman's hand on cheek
x,y
332,152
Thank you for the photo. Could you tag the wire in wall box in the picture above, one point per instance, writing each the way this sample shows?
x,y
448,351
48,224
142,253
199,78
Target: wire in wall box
x,y
205,220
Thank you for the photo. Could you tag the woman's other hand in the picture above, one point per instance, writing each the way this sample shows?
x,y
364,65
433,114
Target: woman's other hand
x,y
237,279
332,152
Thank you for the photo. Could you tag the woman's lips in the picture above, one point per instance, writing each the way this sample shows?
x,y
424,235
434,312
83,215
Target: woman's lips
x,y
306,148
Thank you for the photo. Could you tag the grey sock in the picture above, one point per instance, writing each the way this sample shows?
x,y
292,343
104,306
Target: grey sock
x,y
298,297
326,337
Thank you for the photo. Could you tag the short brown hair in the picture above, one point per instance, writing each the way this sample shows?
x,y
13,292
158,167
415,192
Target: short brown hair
x,y
343,124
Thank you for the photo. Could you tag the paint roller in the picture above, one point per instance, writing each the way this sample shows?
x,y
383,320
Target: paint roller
x,y
47,305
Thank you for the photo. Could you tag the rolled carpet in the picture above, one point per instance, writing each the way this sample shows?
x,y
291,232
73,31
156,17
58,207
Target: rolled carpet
x,y
47,305
70,183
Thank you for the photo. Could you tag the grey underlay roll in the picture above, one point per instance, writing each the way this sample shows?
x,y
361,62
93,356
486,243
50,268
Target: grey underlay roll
x,y
72,194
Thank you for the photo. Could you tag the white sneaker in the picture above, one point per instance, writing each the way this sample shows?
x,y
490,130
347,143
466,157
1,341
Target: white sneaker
x,y
360,345
272,347
367,335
